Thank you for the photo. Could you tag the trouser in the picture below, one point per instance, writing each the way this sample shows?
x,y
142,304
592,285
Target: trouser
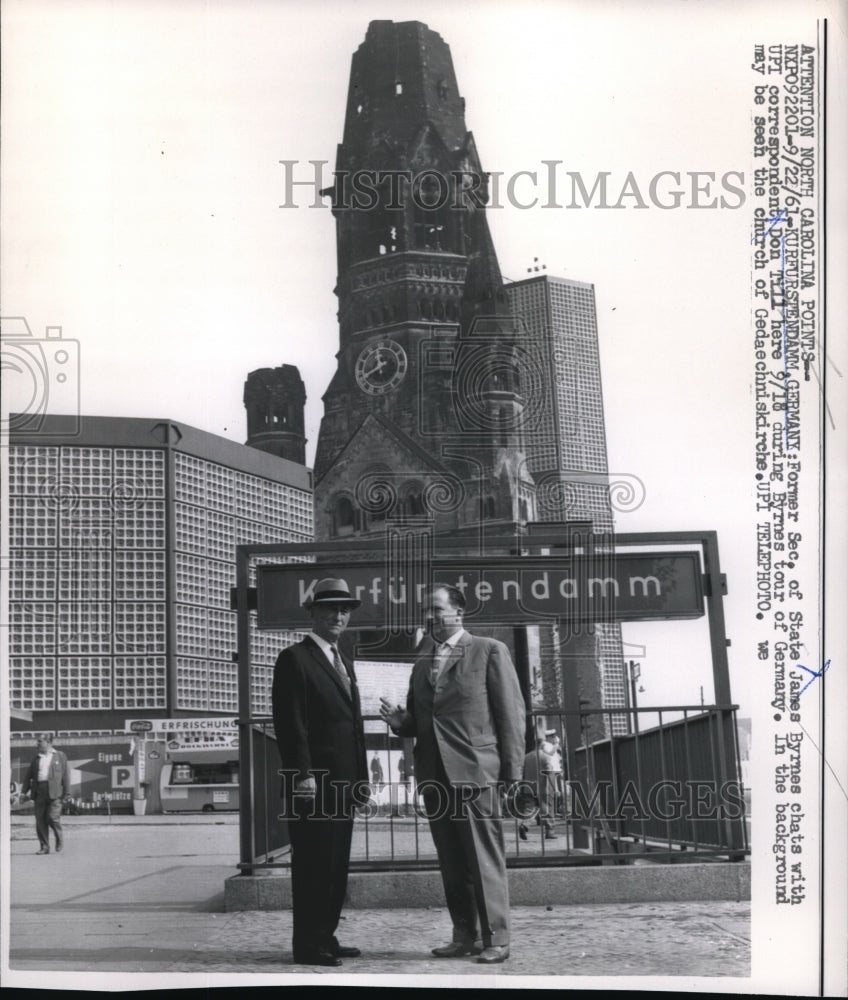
x,y
48,814
545,815
320,860
468,834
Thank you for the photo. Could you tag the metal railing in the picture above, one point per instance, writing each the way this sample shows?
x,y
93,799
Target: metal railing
x,y
668,792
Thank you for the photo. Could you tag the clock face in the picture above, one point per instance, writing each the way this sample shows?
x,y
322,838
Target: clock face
x,y
380,367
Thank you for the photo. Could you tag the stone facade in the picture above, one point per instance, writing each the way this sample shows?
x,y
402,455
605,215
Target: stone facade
x,y
423,414
274,399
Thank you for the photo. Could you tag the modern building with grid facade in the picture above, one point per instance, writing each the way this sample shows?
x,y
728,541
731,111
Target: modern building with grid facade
x,y
122,544
566,445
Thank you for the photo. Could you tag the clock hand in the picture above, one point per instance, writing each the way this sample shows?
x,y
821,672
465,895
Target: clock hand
x,y
378,367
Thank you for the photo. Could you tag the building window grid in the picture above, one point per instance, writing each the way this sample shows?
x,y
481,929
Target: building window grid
x,y
87,470
191,578
220,534
32,683
291,509
140,683
248,532
87,522
69,734
85,574
190,525
220,578
144,467
249,496
84,682
140,628
139,575
141,527
221,643
192,630
190,479
33,576
30,467
84,627
223,687
31,524
192,684
220,488
32,628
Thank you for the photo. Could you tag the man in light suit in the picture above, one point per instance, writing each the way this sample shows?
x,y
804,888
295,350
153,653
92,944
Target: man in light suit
x,y
321,738
466,711
48,782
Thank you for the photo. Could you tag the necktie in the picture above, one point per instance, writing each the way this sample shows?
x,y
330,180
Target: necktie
x,y
440,654
340,669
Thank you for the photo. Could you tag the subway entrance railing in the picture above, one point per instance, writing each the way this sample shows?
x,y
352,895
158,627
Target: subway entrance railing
x,y
667,792
637,784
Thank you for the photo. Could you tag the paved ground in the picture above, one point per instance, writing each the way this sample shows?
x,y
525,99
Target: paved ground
x,y
146,895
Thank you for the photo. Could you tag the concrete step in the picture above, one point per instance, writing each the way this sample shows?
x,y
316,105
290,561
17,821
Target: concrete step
x,y
640,883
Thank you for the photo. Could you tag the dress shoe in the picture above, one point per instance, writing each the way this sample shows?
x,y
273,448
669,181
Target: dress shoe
x,y
59,846
320,957
522,831
494,954
44,850
456,950
344,951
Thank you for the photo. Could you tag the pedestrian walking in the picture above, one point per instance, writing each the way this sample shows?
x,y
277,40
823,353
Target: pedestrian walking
x,y
48,782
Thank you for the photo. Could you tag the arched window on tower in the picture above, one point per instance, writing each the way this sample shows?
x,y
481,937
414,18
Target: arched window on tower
x,y
344,517
489,507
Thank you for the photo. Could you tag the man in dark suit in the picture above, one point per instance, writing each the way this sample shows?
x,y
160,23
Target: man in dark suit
x,y
48,782
318,724
466,711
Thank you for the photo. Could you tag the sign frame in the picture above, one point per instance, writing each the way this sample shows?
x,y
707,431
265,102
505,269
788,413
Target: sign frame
x,y
584,609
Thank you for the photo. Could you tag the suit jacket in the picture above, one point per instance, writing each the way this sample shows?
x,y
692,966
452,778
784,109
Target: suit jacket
x,y
58,776
473,720
318,724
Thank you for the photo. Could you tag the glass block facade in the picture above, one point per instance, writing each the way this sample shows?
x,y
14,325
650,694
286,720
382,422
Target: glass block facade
x,y
87,578
566,446
120,568
216,509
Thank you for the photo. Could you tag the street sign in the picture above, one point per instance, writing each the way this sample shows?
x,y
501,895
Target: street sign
x,y
210,724
603,586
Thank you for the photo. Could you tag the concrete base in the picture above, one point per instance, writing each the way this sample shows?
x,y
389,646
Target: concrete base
x,y
645,883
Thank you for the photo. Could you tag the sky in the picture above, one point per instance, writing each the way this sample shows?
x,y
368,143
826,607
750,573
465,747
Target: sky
x,y
142,215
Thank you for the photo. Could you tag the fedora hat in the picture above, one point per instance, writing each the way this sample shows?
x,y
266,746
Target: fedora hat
x,y
330,591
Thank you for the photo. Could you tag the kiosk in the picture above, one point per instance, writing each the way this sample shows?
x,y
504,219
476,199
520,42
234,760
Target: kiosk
x,y
200,780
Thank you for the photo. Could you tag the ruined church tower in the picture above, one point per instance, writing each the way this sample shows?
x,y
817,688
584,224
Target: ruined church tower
x,y
423,415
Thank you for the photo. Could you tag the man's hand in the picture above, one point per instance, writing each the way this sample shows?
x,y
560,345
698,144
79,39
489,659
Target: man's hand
x,y
393,715
306,786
